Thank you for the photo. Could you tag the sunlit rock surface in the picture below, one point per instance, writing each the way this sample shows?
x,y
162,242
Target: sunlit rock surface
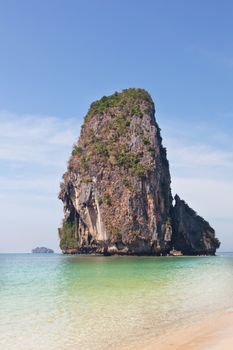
x,y
116,191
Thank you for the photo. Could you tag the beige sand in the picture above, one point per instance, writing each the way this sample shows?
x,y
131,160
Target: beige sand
x,y
215,333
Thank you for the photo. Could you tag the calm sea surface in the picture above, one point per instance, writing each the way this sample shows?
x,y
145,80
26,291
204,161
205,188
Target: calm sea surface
x,y
50,302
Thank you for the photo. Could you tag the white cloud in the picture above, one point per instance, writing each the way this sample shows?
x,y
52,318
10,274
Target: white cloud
x,y
43,183
62,138
211,198
194,155
36,139
33,154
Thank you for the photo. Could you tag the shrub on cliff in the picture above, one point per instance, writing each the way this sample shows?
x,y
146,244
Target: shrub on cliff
x,y
67,237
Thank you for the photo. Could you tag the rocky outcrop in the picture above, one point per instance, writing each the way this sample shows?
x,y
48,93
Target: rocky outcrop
x,y
116,191
191,233
42,250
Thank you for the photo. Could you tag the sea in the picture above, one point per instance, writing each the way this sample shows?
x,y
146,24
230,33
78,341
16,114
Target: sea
x,y
52,301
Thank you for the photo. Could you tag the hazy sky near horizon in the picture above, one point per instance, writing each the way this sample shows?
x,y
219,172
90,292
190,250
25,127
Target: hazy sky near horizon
x,y
59,56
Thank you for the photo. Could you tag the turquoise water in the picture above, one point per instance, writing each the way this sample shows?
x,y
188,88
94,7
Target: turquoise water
x,y
91,302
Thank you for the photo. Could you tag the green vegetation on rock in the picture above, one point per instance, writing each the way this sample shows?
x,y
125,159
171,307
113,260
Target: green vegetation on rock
x,y
128,100
100,200
152,151
139,170
105,102
136,233
168,220
120,124
101,148
126,183
77,151
84,162
131,161
67,236
115,233
107,199
110,147
146,140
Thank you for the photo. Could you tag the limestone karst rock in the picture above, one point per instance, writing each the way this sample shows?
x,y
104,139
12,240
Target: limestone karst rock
x,y
116,191
42,250
191,233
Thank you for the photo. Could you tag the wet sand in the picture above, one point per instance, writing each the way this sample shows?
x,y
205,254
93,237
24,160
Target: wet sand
x,y
214,333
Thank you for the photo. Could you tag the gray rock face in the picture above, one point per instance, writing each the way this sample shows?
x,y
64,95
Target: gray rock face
x,y
116,191
191,233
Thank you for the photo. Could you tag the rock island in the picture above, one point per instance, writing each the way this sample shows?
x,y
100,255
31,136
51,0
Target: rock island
x,y
42,250
116,190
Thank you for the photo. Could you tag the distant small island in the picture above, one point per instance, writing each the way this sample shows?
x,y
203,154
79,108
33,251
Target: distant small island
x,y
42,250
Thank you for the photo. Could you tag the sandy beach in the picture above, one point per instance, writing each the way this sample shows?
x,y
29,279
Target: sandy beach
x,y
214,333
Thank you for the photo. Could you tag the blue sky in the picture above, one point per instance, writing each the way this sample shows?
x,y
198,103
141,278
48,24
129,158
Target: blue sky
x,y
59,56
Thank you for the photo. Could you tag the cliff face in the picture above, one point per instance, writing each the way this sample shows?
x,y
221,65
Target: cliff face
x,y
116,191
191,233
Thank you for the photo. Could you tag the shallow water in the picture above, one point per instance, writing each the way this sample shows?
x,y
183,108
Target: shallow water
x,y
91,302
